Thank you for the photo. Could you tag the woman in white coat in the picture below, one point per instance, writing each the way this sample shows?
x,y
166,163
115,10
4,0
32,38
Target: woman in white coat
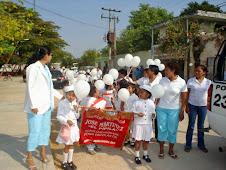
x,y
39,101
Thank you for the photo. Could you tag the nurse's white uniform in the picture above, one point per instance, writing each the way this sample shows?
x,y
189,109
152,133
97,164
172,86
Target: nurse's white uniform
x,y
67,112
143,129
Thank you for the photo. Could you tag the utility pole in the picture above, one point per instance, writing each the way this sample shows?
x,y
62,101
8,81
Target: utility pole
x,y
115,34
109,36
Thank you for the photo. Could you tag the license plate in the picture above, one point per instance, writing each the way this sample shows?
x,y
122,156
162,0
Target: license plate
x,y
54,79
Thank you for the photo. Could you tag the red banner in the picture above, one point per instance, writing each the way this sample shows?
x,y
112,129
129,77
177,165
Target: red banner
x,y
101,128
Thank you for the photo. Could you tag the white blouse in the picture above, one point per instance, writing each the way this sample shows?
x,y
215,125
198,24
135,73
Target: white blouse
x,y
147,107
173,89
198,91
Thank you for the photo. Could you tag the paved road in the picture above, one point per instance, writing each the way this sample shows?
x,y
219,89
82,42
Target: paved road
x,y
14,128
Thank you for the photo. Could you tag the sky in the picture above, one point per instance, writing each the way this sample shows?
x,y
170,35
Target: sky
x,y
81,37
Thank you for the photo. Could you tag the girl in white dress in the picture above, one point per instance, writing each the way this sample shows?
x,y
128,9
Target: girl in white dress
x,y
68,116
142,130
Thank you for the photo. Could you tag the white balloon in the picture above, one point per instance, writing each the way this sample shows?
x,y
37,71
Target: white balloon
x,y
135,61
70,74
128,60
121,62
123,94
108,79
82,89
157,62
73,81
114,73
81,77
157,91
99,84
88,71
150,62
94,72
161,67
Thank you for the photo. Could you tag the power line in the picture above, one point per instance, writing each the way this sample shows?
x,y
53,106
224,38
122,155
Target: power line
x,y
221,3
66,16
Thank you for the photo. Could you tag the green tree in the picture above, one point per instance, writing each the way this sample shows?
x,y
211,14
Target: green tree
x,y
137,36
205,6
42,33
14,26
88,57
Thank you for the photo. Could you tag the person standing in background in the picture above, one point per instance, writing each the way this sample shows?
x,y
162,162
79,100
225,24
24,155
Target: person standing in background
x,y
137,73
99,73
197,105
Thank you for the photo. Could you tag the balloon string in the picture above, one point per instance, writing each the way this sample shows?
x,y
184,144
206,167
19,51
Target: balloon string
x,y
129,71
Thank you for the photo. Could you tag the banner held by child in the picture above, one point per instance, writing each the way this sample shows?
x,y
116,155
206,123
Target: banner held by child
x,y
101,128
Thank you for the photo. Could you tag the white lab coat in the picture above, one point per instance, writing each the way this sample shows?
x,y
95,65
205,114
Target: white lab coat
x,y
37,89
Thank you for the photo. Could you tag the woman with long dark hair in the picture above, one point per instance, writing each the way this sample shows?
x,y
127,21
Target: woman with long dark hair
x,y
39,101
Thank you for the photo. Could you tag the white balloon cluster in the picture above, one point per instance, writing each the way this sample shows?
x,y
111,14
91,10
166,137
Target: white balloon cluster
x,y
129,61
156,62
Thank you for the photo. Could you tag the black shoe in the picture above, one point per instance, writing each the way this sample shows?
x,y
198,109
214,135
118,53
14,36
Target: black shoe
x,y
127,142
147,159
65,166
137,160
97,149
132,144
72,166
204,150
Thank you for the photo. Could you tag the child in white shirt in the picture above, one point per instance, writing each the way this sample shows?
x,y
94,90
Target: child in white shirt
x,y
142,130
128,107
68,116
95,102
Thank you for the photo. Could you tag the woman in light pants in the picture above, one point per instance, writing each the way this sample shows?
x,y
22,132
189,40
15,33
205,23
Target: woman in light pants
x,y
170,108
39,101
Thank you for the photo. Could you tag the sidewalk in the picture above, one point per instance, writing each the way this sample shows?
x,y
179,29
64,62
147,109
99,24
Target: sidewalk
x,y
14,128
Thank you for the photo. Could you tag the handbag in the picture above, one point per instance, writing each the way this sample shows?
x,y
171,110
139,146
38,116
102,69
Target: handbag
x,y
65,132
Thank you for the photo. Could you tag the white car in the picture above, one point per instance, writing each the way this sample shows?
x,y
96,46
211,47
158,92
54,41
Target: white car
x,y
217,95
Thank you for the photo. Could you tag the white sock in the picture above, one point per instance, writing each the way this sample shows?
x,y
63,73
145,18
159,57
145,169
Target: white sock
x,y
145,152
70,155
65,156
137,153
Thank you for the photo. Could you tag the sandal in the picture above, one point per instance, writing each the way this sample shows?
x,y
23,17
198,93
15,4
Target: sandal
x,y
161,156
45,161
174,156
32,167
